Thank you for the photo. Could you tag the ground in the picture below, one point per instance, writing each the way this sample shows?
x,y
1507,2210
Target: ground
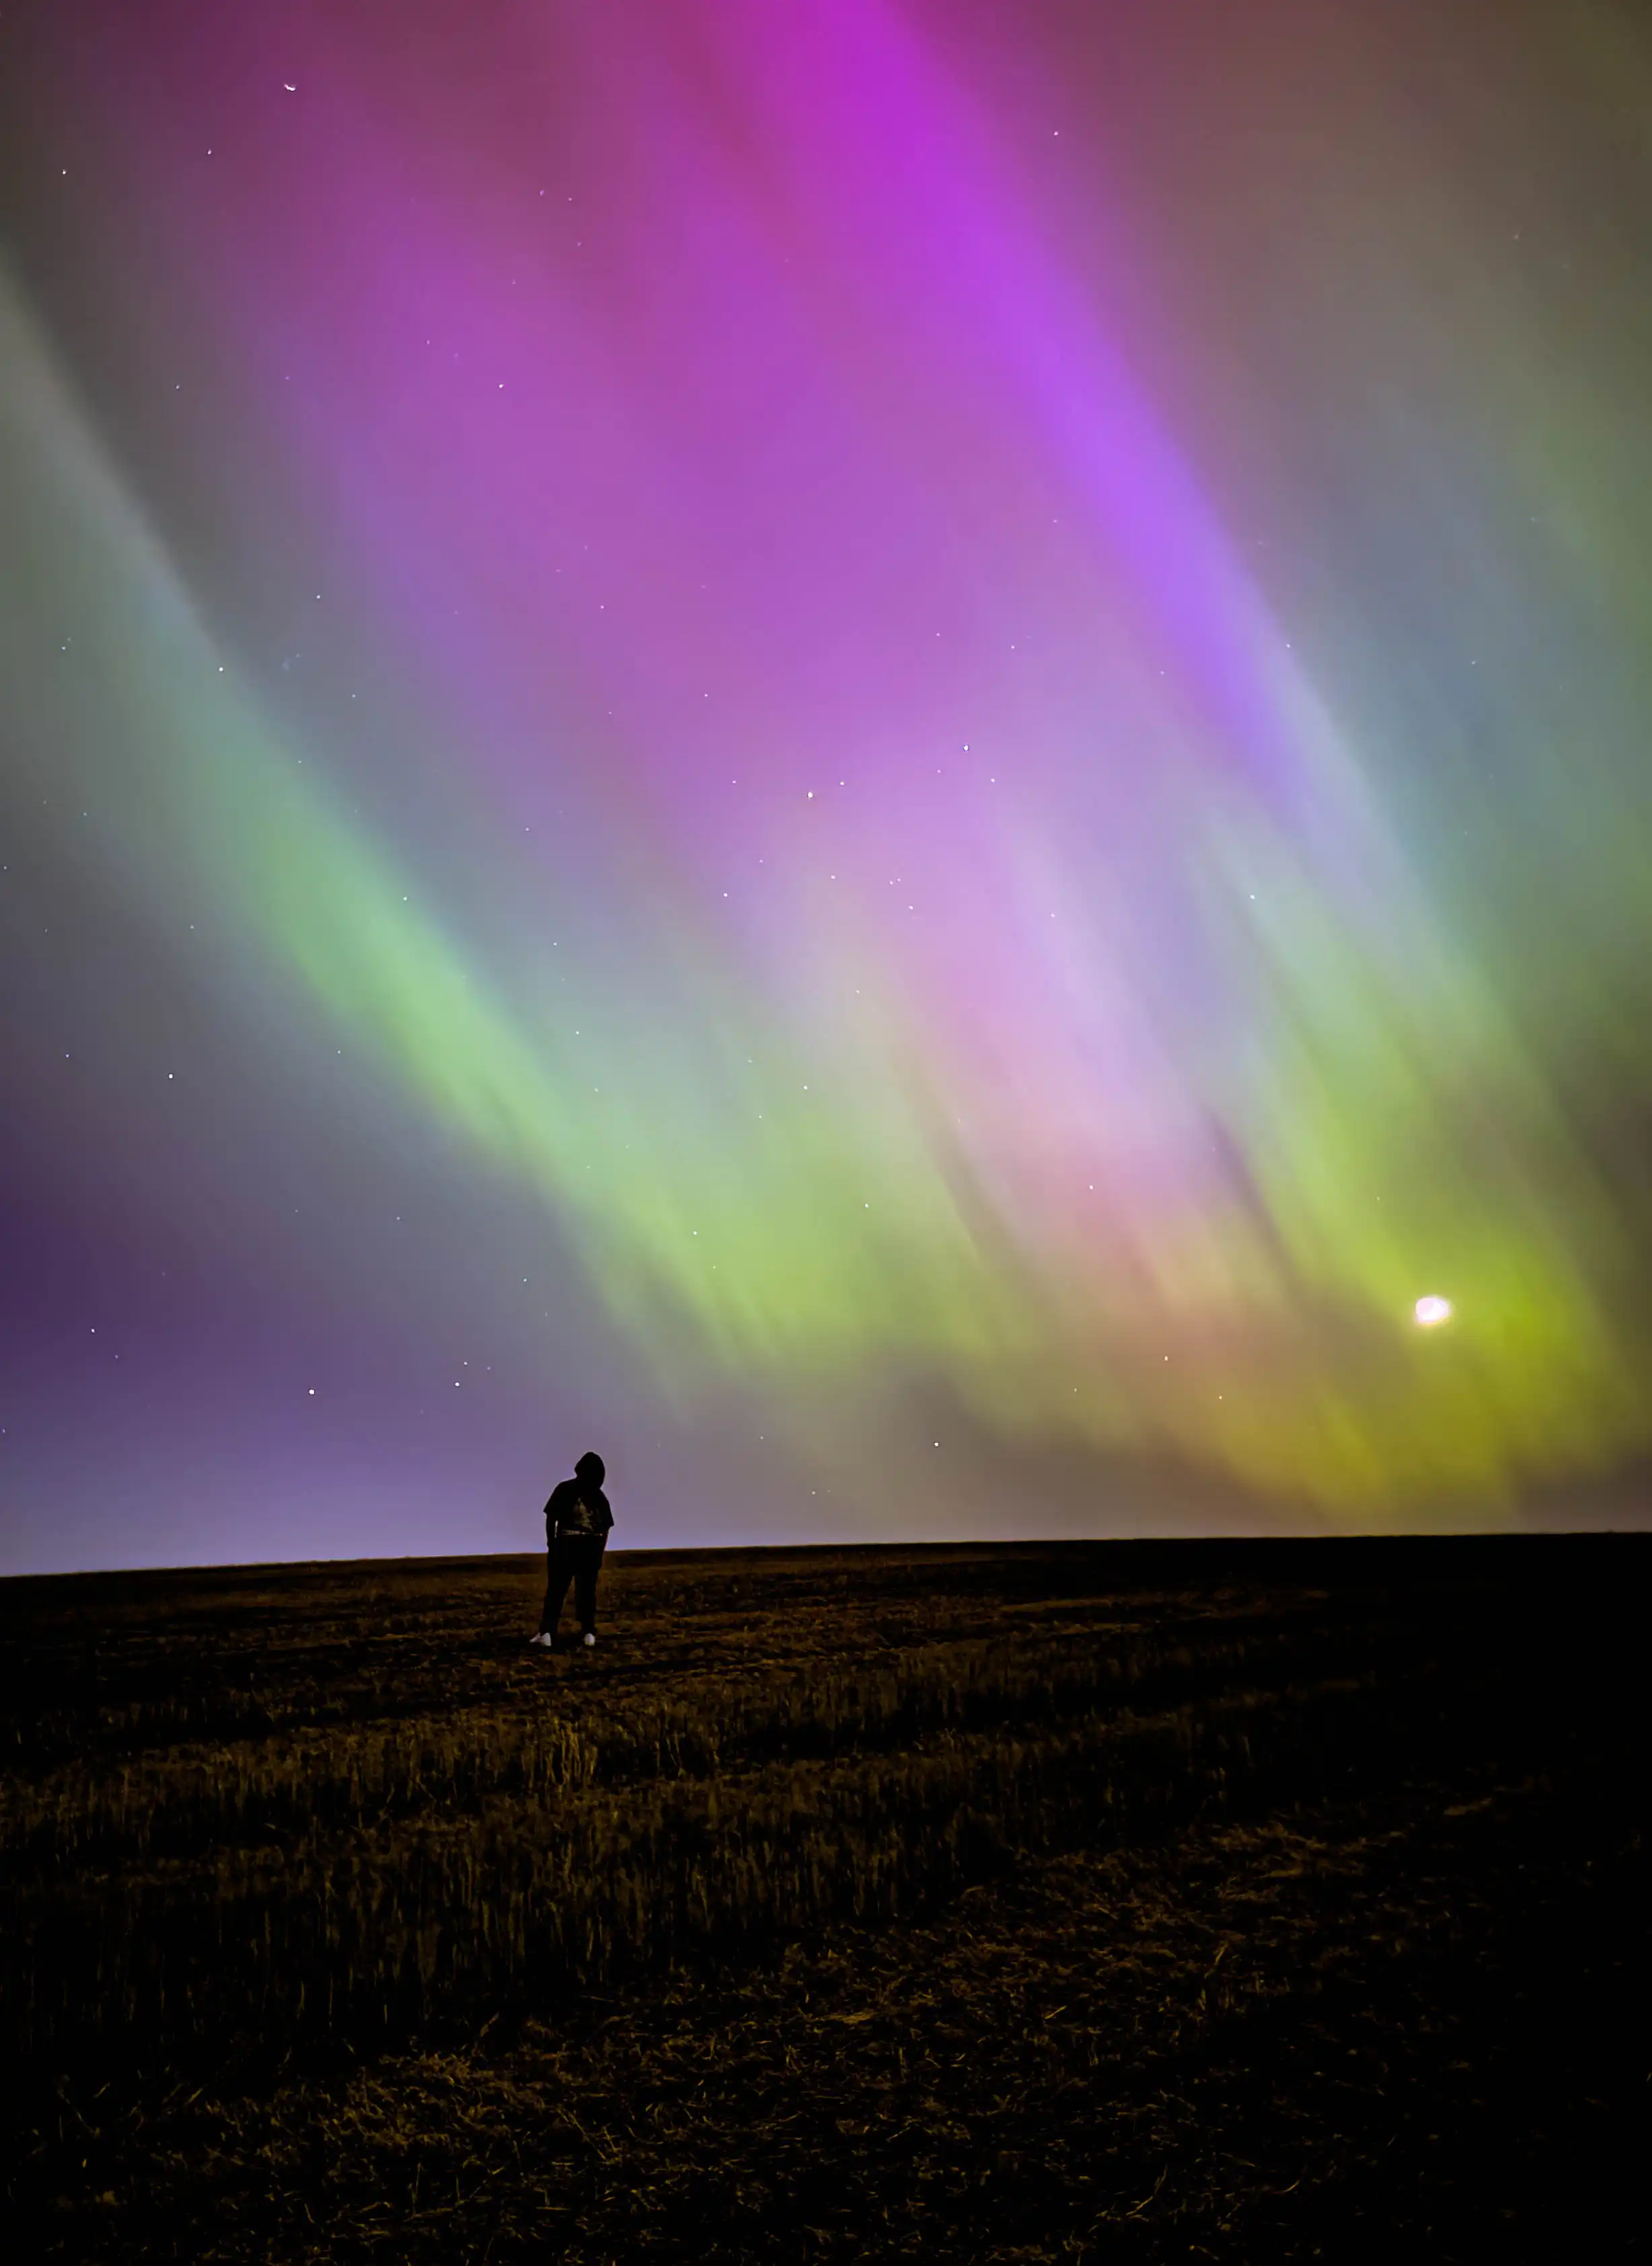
x,y
1267,1901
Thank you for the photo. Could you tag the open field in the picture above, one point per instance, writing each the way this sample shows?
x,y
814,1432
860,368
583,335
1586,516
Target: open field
x,y
1273,1899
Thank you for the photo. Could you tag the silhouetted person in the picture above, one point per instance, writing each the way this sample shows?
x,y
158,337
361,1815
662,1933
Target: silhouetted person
x,y
576,1523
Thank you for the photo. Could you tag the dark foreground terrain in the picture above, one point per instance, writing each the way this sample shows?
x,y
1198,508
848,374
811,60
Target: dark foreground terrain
x,y
1272,1900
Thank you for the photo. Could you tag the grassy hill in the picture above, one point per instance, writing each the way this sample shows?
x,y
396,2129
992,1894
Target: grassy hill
x,y
1036,1901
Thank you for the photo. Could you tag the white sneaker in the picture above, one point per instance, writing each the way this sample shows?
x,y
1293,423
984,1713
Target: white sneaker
x,y
544,1638
589,1638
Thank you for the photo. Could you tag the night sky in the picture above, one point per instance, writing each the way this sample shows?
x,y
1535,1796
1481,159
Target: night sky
x,y
891,754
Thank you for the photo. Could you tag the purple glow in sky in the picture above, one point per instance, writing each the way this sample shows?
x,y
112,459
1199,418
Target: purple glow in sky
x,y
816,743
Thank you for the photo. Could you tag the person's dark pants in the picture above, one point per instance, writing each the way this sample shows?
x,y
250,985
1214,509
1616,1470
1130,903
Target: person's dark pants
x,y
574,1558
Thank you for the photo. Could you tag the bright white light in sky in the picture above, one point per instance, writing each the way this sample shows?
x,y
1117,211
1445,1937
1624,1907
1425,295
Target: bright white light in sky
x,y
1432,1309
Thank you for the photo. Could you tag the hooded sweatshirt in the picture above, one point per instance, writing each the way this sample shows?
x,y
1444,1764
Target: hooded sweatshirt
x,y
578,1507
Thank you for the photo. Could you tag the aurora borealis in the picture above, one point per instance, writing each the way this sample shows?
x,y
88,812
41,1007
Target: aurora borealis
x,y
892,756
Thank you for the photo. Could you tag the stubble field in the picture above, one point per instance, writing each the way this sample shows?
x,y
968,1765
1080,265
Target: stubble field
x,y
1267,1900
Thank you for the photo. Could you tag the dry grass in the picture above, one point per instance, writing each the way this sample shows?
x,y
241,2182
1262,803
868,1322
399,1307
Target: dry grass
x,y
826,1888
